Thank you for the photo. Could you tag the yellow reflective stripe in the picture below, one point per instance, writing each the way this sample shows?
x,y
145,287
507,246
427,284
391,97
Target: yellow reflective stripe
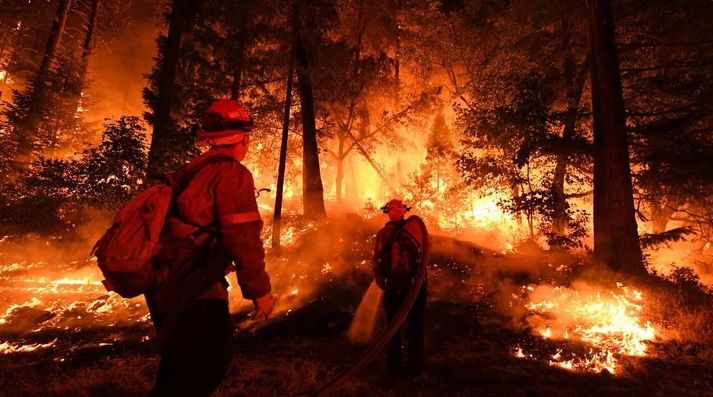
x,y
240,217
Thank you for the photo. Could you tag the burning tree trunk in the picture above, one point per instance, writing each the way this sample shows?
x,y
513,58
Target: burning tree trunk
x,y
180,13
616,241
313,192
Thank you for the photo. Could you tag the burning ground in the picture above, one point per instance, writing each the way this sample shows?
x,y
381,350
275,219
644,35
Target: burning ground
x,y
515,322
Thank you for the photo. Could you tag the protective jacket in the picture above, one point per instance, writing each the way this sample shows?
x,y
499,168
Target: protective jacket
x,y
387,245
222,193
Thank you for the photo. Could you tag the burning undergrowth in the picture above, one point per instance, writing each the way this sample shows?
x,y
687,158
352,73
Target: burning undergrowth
x,y
44,300
50,287
543,305
607,323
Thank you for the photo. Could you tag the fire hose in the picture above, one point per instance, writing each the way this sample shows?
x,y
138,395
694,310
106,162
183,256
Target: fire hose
x,y
336,383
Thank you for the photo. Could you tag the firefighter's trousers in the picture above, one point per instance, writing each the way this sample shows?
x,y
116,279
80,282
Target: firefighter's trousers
x,y
414,331
196,353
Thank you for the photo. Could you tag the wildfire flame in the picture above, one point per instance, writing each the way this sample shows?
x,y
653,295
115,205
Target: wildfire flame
x,y
608,320
7,347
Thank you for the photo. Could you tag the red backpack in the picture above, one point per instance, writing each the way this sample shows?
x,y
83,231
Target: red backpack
x,y
400,257
125,253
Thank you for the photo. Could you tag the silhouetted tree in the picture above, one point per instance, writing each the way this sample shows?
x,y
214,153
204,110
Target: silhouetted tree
x,y
616,241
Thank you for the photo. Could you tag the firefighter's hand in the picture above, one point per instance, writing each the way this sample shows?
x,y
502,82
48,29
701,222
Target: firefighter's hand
x,y
263,306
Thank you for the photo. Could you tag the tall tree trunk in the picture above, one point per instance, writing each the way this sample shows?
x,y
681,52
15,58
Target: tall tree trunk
x,y
87,51
60,20
339,179
89,40
397,54
351,189
616,240
180,13
277,218
313,192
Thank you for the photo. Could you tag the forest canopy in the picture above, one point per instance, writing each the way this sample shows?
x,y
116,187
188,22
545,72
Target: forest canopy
x,y
455,105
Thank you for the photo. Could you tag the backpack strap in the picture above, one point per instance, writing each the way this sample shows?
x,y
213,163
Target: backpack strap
x,y
184,176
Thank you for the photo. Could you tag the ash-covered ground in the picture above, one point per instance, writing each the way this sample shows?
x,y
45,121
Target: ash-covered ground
x,y
486,333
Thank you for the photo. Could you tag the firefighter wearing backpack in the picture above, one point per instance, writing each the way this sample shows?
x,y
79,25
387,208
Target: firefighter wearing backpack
x,y
401,247
214,191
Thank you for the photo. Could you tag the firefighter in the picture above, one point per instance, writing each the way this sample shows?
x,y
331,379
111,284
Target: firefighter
x,y
195,352
401,247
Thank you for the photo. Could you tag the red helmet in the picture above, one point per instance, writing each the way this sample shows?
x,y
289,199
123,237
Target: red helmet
x,y
395,204
224,118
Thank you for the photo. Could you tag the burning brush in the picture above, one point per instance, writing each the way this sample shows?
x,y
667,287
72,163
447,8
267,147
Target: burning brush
x,y
609,321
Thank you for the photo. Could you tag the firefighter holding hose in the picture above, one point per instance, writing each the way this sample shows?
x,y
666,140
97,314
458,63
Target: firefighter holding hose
x,y
401,248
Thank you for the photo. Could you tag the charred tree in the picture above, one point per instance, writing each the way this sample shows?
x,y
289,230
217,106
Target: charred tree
x,y
181,12
313,192
616,241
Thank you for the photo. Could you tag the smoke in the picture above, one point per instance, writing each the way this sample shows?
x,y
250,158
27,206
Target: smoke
x,y
117,69
693,254
319,260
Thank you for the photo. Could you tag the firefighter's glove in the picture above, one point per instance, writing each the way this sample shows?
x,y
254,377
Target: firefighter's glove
x,y
263,306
